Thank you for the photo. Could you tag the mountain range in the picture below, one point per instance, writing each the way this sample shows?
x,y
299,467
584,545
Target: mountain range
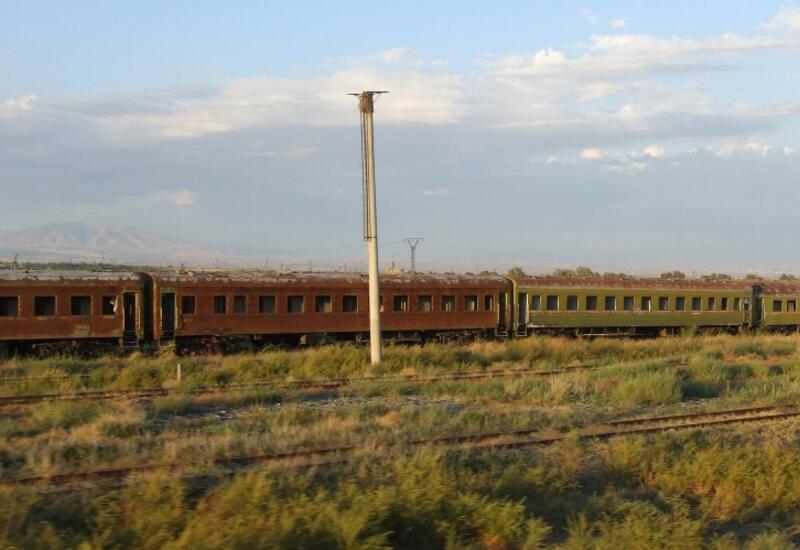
x,y
80,242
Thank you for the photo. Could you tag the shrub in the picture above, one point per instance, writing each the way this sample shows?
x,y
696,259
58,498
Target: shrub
x,y
63,415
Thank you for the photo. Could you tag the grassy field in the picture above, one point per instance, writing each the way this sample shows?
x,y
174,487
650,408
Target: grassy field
x,y
733,487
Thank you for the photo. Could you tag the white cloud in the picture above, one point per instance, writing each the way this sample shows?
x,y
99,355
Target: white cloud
x,y
619,23
17,106
182,198
592,154
439,192
589,16
625,164
734,148
788,151
416,97
655,151
786,20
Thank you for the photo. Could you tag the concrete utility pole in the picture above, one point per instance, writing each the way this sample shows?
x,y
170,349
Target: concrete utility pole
x,y
413,242
366,105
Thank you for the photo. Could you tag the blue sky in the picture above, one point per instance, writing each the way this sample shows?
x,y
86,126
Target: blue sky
x,y
625,135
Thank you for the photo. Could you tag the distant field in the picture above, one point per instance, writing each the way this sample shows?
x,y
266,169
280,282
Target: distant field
x,y
376,479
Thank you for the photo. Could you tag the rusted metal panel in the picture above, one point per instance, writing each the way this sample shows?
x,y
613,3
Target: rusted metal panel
x,y
63,325
204,287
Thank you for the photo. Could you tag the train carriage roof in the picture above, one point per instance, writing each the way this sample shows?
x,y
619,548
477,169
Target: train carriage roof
x,y
632,283
332,279
21,276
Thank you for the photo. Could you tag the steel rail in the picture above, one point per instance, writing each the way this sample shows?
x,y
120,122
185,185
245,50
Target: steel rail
x,y
320,383
481,441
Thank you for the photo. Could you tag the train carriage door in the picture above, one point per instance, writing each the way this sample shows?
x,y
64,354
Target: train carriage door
x,y
502,310
168,315
522,313
129,318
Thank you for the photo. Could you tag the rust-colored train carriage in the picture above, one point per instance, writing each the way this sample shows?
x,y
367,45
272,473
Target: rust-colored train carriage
x,y
260,308
62,311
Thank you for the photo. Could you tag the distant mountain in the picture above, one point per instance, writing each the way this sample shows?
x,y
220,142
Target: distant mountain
x,y
84,242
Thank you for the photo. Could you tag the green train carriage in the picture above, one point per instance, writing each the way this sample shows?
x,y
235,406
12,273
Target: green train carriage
x,y
778,302
629,306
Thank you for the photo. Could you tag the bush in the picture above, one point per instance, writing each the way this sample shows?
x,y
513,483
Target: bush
x,y
63,415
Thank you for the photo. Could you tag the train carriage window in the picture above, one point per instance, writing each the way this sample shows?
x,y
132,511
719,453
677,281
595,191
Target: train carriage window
x,y
323,304
647,303
187,305
663,303
552,303
239,305
536,303
266,305
425,303
448,303
220,305
627,303
80,305
470,303
611,303
791,306
109,305
572,303
777,306
295,304
737,304
488,302
723,303
400,302
9,306
349,304
712,303
697,303
44,306
680,303
591,303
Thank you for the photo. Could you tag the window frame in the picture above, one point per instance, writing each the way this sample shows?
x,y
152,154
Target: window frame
x,y
216,300
323,300
52,300
550,299
72,304
573,303
17,309
188,298
592,303
629,303
264,299
400,303
291,300
346,299
446,300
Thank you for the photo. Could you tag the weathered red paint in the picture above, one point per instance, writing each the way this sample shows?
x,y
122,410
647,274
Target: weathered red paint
x,y
26,326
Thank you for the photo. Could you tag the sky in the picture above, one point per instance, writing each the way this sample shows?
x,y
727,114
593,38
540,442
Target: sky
x,y
636,136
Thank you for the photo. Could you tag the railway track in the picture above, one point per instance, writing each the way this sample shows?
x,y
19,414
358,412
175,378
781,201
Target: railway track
x,y
319,384
471,442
